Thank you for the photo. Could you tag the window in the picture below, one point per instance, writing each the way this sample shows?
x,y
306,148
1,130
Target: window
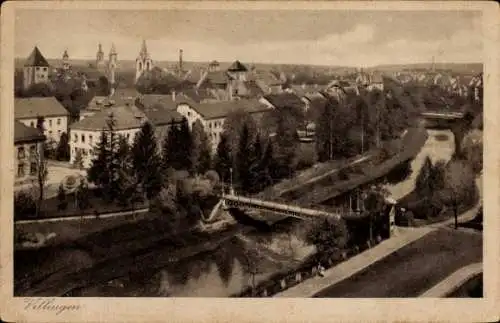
x,y
32,150
189,113
38,68
21,154
128,136
50,122
59,133
58,121
83,138
32,124
33,168
90,139
50,133
75,139
84,152
20,170
45,69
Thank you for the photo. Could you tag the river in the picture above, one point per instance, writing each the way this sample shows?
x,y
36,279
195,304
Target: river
x,y
245,259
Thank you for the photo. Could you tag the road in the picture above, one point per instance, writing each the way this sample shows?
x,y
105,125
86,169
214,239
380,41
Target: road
x,y
413,269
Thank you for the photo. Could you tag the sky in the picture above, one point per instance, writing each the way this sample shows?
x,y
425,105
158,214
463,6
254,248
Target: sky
x,y
327,37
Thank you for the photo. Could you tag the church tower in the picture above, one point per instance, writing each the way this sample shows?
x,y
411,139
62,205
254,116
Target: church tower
x,y
36,69
65,61
143,62
112,63
99,57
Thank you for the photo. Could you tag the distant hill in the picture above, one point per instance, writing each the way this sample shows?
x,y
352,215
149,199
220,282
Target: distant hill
x,y
129,65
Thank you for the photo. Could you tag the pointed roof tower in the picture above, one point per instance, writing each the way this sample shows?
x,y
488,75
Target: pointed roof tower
x,y
65,55
237,67
144,49
112,51
36,59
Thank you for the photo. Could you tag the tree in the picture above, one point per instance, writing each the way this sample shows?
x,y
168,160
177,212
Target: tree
x,y
472,149
78,161
146,161
423,183
42,174
201,153
223,161
61,197
39,90
125,182
186,145
287,141
63,151
82,195
104,87
170,148
250,259
329,235
460,187
245,161
24,204
105,167
233,126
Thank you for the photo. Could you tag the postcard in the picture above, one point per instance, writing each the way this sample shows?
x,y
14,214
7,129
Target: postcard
x,y
249,161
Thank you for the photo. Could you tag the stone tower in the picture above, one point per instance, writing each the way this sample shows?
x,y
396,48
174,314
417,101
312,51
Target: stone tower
x,y
65,60
112,63
36,69
143,62
99,61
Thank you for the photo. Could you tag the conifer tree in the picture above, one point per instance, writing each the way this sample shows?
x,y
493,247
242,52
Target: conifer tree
x,y
146,161
201,153
185,147
423,181
61,198
170,149
78,161
223,161
286,146
125,181
246,162
82,195
98,171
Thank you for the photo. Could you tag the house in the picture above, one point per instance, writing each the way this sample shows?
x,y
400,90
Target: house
x,y
283,100
86,133
213,115
28,110
36,69
28,151
268,83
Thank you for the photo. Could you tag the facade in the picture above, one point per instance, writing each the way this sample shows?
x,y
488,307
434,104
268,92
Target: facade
x,y
28,110
36,69
213,115
28,151
143,62
85,134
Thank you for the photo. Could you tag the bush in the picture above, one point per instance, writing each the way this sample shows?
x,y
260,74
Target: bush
x,y
24,205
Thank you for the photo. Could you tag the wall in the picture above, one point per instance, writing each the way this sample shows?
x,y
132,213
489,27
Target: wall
x,y
54,126
87,140
35,74
27,160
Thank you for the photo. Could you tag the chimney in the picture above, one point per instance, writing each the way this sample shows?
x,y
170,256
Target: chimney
x,y
180,60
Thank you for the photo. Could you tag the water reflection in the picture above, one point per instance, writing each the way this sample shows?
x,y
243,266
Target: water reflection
x,y
236,264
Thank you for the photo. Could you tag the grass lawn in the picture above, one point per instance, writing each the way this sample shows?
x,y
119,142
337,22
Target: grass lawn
x,y
97,205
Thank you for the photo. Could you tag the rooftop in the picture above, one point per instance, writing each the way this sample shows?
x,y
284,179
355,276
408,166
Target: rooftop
x,y
160,117
284,100
126,117
237,66
23,133
36,59
34,107
214,110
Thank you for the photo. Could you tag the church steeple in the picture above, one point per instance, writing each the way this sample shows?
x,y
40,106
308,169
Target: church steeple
x,y
99,56
112,63
65,60
143,62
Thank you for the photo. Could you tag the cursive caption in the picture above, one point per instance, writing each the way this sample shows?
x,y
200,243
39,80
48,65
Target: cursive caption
x,y
49,305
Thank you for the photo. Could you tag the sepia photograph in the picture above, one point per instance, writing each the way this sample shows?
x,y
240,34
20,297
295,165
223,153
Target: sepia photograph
x,y
221,152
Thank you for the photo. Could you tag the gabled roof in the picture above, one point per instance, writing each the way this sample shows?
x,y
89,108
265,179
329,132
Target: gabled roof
x,y
25,108
159,117
126,117
23,133
217,77
284,100
147,101
221,109
237,67
36,59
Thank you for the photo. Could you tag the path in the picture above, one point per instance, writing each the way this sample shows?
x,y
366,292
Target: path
x,y
454,281
348,268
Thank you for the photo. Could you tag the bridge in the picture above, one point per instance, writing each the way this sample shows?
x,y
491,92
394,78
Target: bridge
x,y
232,200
